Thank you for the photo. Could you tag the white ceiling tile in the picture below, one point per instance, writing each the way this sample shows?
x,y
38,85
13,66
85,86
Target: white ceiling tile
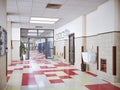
x,y
37,10
39,5
11,3
11,6
57,1
25,10
12,10
36,14
24,4
41,1
28,8
26,0
50,12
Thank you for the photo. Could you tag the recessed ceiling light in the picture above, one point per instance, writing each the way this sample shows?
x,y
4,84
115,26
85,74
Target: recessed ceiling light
x,y
42,22
44,19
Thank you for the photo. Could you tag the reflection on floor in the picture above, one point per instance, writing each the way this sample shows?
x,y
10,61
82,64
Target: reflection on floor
x,y
41,74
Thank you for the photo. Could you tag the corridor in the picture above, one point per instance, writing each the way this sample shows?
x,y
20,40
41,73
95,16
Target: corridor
x,y
41,74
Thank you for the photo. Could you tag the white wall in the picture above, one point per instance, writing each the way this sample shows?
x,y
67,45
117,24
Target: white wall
x,y
117,15
105,18
74,27
3,18
15,50
3,21
9,38
15,33
101,20
15,43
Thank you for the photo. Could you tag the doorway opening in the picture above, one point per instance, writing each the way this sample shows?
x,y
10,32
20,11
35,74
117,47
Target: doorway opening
x,y
71,49
38,39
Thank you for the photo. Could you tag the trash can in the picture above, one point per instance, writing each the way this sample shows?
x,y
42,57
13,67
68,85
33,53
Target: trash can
x,y
83,67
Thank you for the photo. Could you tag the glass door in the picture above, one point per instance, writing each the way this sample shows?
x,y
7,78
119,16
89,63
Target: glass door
x,y
49,53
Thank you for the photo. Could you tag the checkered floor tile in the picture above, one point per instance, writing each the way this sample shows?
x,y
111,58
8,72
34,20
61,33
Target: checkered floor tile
x,y
41,74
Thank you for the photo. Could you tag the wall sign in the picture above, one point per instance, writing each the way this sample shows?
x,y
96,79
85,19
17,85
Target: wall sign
x,y
62,35
3,41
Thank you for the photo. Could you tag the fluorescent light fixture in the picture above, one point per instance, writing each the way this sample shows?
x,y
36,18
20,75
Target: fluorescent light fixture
x,y
43,22
44,19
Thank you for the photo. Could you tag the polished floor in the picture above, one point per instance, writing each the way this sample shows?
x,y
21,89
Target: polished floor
x,y
41,74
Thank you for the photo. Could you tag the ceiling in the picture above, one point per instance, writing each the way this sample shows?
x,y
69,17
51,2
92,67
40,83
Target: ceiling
x,y
20,11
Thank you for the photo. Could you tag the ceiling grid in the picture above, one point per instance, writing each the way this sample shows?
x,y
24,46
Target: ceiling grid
x,y
20,11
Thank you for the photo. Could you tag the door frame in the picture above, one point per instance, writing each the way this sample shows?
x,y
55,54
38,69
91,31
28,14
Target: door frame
x,y
72,35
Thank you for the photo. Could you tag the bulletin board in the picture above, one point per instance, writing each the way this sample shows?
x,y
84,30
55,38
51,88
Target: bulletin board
x,y
3,41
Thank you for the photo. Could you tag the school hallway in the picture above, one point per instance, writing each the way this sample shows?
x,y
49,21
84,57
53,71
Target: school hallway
x,y
59,44
39,73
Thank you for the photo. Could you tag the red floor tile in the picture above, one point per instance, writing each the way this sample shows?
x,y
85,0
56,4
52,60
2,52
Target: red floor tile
x,y
13,64
51,70
70,72
28,79
91,74
56,81
65,77
50,75
27,62
102,87
27,66
9,71
47,63
43,67
18,69
38,72
62,64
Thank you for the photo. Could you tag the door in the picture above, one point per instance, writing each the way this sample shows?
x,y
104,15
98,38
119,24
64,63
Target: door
x,y
49,48
71,49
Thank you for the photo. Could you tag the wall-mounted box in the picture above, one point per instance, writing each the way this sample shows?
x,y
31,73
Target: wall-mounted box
x,y
103,66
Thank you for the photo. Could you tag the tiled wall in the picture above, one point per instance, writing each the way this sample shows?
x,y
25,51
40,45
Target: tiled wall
x,y
117,43
105,42
16,47
60,47
2,72
78,45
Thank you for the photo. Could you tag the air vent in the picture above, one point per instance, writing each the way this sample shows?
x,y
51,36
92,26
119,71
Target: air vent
x,y
53,6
